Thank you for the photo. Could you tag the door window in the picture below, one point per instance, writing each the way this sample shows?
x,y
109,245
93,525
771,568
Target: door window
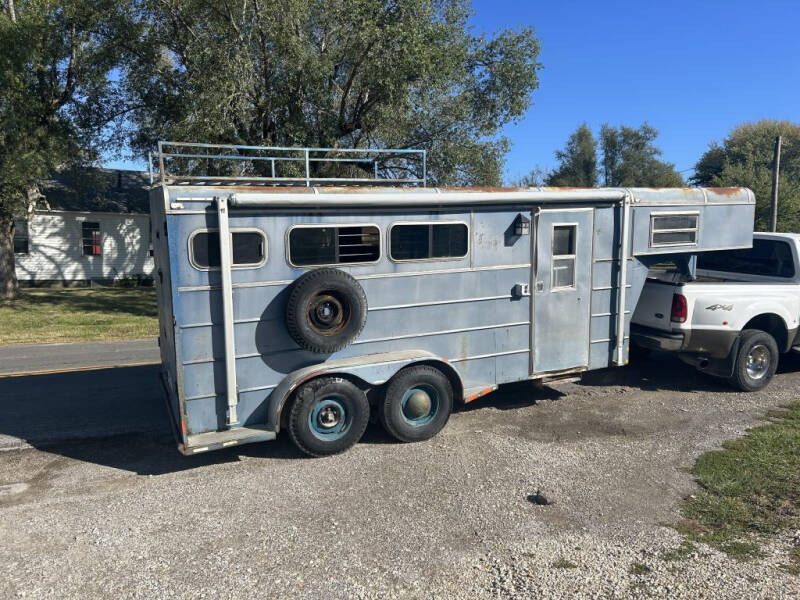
x,y
563,275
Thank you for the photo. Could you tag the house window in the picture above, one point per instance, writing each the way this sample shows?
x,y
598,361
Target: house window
x,y
249,249
563,275
311,246
91,238
673,229
429,241
21,240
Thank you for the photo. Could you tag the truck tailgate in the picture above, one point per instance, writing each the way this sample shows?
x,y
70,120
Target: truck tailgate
x,y
655,305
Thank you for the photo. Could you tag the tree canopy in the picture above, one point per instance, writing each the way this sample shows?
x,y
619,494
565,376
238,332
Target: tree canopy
x,y
57,97
332,73
631,158
744,158
577,161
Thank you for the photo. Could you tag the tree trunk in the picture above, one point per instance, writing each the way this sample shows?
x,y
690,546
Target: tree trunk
x,y
8,270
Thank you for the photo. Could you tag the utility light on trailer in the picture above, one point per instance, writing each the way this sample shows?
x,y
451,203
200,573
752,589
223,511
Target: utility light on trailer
x,y
522,225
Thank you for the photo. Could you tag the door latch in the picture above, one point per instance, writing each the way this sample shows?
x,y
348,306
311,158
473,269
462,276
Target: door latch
x,y
520,290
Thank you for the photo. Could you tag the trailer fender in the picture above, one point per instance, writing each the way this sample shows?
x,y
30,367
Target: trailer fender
x,y
373,369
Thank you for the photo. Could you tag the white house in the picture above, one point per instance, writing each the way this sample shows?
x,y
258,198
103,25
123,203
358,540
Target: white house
x,y
91,226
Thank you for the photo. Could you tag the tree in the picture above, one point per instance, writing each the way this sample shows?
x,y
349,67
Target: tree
x,y
744,158
577,161
332,73
630,158
56,98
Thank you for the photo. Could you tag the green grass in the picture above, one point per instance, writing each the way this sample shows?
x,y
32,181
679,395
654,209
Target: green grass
x,y
750,488
78,315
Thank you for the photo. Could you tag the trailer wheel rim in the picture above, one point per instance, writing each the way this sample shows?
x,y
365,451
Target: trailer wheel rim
x,y
419,405
329,420
758,361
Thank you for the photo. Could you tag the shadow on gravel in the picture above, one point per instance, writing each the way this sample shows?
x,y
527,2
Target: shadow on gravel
x,y
513,395
111,417
657,372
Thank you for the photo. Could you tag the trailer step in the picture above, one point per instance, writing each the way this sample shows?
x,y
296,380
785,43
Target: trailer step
x,y
214,440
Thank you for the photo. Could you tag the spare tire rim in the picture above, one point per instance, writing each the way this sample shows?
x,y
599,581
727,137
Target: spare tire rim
x,y
327,313
758,361
420,404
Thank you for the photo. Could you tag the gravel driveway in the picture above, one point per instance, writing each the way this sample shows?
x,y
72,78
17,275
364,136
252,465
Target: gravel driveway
x,y
128,517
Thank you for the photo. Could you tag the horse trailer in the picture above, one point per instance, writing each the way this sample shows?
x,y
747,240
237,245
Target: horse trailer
x,y
314,289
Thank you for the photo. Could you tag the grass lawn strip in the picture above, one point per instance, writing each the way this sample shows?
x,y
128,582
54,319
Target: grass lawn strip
x,y
50,315
750,489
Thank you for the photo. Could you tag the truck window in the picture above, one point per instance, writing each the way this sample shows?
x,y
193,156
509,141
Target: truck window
x,y
314,245
428,241
771,258
248,247
563,276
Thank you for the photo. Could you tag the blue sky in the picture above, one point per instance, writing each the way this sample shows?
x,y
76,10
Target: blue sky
x,y
693,70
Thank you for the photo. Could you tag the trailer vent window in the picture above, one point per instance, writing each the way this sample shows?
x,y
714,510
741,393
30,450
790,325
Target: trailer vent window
x,y
313,246
673,230
91,238
248,249
563,275
429,241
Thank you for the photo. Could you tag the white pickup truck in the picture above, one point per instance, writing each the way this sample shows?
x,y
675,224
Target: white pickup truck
x,y
735,319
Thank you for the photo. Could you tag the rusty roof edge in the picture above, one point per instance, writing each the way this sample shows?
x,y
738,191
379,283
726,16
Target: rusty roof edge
x,y
349,197
420,197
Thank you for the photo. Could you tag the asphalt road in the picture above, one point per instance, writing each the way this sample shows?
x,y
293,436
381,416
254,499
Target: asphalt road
x,y
25,358
41,410
97,502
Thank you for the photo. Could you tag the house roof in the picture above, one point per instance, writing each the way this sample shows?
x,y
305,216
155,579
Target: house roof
x,y
96,190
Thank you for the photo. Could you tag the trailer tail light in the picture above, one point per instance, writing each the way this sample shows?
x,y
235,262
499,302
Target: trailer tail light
x,y
679,309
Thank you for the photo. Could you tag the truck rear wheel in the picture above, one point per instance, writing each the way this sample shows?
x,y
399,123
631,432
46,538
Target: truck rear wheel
x,y
417,404
328,416
756,361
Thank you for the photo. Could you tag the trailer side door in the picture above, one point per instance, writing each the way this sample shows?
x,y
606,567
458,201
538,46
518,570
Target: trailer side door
x,y
562,289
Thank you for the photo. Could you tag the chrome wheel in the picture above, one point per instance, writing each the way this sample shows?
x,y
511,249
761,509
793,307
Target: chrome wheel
x,y
758,361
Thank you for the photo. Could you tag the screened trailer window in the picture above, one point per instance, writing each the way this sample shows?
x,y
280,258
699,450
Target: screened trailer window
x,y
311,246
90,232
770,258
249,248
564,238
428,241
673,229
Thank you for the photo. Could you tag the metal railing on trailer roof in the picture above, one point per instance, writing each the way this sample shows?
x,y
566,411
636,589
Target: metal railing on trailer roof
x,y
230,164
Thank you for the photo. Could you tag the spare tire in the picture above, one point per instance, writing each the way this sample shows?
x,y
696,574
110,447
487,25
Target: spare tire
x,y
326,310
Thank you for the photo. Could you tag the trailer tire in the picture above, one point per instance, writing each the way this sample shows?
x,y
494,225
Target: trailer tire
x,y
756,361
417,403
326,310
328,416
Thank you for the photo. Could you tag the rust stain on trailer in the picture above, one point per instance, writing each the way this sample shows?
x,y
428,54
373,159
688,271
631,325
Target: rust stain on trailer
x,y
725,191
483,392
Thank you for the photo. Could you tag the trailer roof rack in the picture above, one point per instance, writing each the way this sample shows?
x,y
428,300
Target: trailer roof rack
x,y
191,163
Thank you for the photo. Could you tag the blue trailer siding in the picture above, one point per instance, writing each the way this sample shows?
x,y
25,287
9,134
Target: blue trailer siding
x,y
461,309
